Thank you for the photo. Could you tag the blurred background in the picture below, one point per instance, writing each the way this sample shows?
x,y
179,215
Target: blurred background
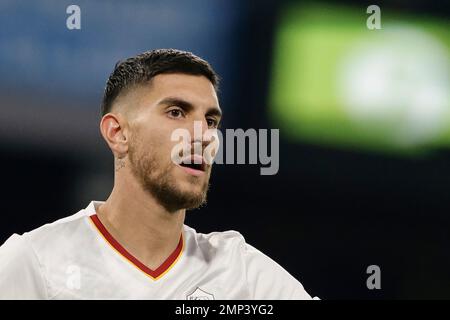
x,y
364,119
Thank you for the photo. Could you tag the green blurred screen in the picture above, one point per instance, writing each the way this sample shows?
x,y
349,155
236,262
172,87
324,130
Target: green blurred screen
x,y
335,82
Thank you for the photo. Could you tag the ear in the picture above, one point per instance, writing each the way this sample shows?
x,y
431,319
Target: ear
x,y
114,131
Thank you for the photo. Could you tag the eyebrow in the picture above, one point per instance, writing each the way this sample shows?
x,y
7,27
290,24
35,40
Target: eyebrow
x,y
186,105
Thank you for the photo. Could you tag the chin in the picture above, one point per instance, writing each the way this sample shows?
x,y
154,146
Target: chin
x,y
192,191
191,200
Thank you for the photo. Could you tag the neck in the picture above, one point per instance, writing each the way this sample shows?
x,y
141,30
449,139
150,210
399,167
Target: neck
x,y
140,224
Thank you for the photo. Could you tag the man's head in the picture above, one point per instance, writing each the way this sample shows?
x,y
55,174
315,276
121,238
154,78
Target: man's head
x,y
147,98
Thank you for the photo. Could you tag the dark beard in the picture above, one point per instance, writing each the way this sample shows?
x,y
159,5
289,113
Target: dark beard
x,y
161,185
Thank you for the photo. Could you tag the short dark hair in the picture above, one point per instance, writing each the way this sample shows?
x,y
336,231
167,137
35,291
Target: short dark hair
x,y
143,67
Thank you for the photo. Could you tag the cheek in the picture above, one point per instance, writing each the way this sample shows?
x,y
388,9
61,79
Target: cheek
x,y
155,137
161,146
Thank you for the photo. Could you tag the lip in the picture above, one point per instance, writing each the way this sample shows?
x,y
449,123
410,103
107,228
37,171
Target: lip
x,y
194,159
192,171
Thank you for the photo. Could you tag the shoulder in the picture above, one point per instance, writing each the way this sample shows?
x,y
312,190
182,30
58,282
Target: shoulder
x,y
214,242
264,277
28,261
60,230
230,241
48,239
53,229
15,246
21,275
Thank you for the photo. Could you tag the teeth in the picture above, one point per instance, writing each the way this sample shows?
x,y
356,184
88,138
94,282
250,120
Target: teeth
x,y
193,166
190,162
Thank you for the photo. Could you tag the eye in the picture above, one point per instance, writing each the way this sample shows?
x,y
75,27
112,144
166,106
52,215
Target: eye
x,y
212,123
176,113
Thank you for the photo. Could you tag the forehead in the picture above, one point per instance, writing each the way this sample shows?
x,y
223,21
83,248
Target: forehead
x,y
195,88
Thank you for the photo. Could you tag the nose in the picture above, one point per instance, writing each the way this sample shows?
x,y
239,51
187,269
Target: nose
x,y
198,130
201,135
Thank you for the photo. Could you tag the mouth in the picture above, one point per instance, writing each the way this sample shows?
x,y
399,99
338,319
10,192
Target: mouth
x,y
194,165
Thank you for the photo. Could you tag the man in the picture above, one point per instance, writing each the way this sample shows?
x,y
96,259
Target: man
x,y
135,244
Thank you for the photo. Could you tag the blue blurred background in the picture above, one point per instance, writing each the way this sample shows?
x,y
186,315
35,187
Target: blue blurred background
x,y
364,119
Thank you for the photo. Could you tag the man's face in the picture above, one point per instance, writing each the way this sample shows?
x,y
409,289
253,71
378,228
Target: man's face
x,y
170,102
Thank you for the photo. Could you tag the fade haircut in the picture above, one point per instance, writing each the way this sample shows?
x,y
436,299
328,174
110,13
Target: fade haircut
x,y
142,68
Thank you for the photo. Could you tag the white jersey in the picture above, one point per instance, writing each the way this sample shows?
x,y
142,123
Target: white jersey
x,y
76,258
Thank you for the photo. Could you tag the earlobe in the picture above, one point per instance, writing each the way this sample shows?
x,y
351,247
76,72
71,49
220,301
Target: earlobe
x,y
114,134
